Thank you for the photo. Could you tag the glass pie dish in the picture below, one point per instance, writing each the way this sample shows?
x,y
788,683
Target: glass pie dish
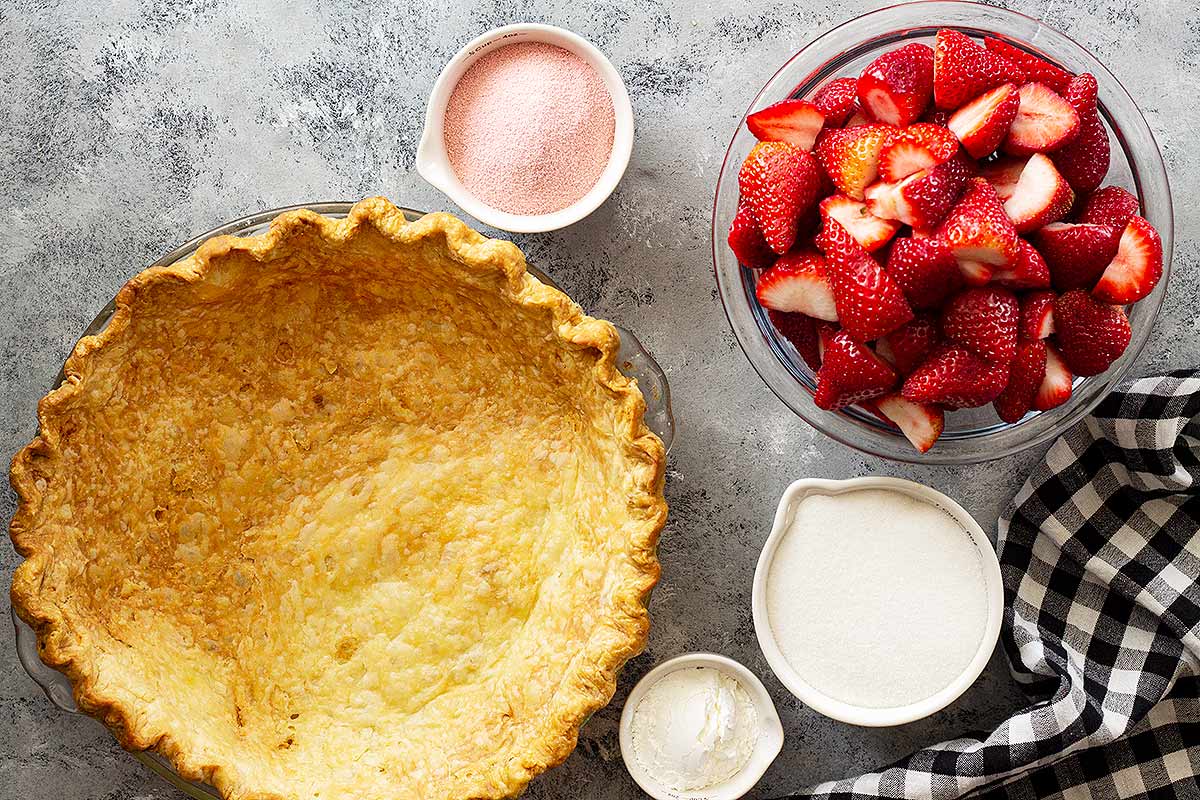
x,y
971,435
633,359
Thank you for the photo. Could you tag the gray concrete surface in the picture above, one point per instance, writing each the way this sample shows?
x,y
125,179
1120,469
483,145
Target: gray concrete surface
x,y
129,126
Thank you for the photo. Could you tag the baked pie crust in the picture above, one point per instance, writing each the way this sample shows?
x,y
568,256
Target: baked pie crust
x,y
353,509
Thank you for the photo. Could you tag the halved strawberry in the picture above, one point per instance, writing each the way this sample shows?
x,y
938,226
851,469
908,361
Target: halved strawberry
x,y
1084,160
917,147
1137,267
793,121
1110,205
797,283
907,347
850,156
1077,254
925,270
1057,383
1037,315
1036,69
895,88
1003,174
1091,335
780,181
850,373
921,423
838,245
984,122
976,273
868,230
963,70
922,200
1028,271
746,241
978,230
1025,376
801,331
836,100
955,377
1040,197
1045,121
983,321
858,119
869,303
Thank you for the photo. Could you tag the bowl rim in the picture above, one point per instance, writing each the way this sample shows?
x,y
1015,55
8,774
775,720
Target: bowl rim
x,y
433,164
845,711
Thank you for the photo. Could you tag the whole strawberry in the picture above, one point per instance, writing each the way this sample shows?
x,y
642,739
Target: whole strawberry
x,y
780,181
1091,335
955,377
850,373
984,321
1025,376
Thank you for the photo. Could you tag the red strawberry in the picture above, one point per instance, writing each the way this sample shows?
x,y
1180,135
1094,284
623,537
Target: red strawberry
x,y
921,423
921,200
983,123
937,116
836,100
1045,121
1003,174
1090,334
917,147
925,270
978,230
1056,385
963,70
1036,69
955,377
1037,315
984,321
801,331
1029,271
747,242
780,181
1040,197
1076,254
858,119
838,245
797,283
895,88
868,230
1137,267
907,347
1111,205
850,156
976,273
793,121
1025,376
850,373
1084,160
869,303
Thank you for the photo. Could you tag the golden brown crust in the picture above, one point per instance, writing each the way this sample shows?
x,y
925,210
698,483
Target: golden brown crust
x,y
75,635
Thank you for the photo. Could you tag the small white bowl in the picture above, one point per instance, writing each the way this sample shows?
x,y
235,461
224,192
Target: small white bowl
x,y
434,165
770,730
838,709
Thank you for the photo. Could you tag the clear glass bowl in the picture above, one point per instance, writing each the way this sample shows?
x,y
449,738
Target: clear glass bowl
x,y
971,435
635,361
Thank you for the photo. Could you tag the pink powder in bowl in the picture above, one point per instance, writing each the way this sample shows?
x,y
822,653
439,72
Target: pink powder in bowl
x,y
529,128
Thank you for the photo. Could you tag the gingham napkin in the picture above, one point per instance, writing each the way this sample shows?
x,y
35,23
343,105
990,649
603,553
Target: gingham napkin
x,y
1101,558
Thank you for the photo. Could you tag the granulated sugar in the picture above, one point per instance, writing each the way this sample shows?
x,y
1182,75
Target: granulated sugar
x,y
876,598
529,128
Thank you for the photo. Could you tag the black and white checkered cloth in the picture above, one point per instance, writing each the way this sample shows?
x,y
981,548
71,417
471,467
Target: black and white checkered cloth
x,y
1101,558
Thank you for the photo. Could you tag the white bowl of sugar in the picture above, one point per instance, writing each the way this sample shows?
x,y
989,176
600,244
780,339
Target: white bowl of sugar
x,y
877,601
529,128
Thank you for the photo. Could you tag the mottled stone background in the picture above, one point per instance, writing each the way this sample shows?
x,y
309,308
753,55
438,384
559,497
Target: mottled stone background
x,y
129,126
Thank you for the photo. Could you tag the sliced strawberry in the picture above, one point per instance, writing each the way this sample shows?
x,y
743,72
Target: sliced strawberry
x,y
1028,271
1111,205
796,122
917,147
838,245
869,303
895,88
801,331
1036,69
1003,174
1077,254
836,100
1090,334
858,119
984,122
955,377
976,273
983,321
1025,376
907,347
1057,383
1040,197
1084,160
780,181
797,283
850,373
922,200
963,70
850,156
868,230
921,423
1037,315
746,242
1137,267
937,116
1045,121
925,270
978,230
